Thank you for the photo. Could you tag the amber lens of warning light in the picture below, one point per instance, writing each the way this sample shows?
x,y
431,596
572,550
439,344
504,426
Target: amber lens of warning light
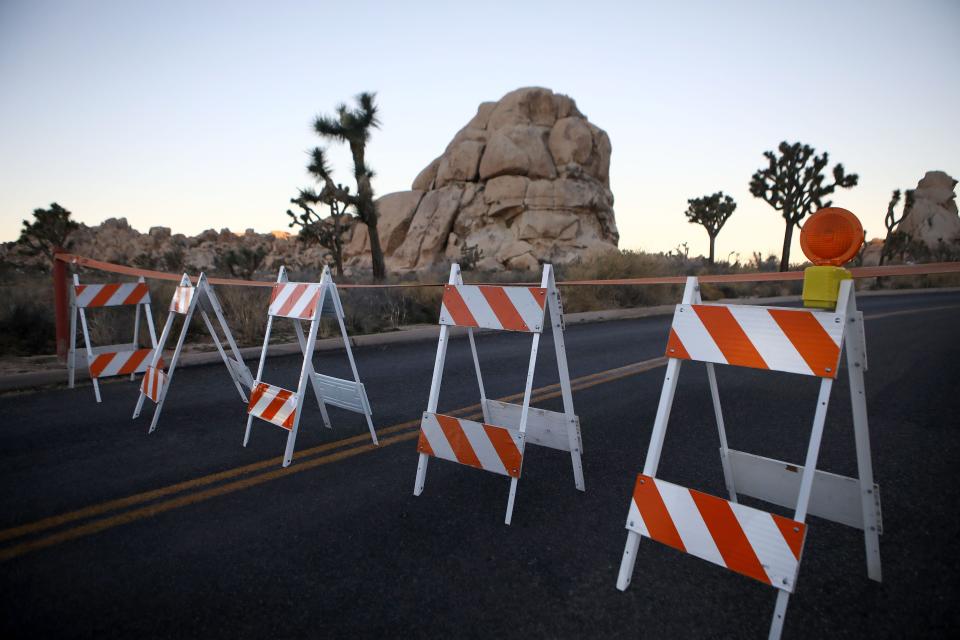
x,y
831,236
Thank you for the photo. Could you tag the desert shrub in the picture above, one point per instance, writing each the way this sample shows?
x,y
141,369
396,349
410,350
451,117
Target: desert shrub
x,y
620,264
26,322
245,310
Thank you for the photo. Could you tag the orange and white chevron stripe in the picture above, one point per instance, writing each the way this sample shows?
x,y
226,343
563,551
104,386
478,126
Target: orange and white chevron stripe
x,y
273,404
757,544
493,307
118,363
483,446
182,297
154,380
792,340
111,295
294,300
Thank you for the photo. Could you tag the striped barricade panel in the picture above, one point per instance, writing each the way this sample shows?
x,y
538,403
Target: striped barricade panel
x,y
761,545
111,295
273,404
791,340
294,300
479,445
493,307
154,380
182,298
118,363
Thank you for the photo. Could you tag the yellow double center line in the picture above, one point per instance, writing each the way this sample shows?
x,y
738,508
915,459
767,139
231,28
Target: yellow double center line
x,y
158,501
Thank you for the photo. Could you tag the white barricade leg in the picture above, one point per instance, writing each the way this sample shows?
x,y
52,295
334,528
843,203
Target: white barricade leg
x,y
628,561
136,334
779,613
434,398
422,462
72,353
173,365
476,367
524,416
263,359
157,354
806,487
856,364
651,463
86,339
560,348
305,372
432,402
724,449
656,444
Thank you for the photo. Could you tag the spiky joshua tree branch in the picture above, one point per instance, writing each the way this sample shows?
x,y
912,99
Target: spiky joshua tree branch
x,y
793,183
352,127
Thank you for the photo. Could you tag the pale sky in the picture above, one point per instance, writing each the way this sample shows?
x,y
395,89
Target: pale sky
x,y
198,115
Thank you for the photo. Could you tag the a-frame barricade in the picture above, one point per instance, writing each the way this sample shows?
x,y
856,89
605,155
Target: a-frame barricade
x,y
498,443
186,300
753,542
305,302
114,359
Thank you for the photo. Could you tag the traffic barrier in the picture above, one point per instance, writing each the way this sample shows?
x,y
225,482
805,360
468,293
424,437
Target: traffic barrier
x,y
301,301
114,359
187,299
497,444
761,545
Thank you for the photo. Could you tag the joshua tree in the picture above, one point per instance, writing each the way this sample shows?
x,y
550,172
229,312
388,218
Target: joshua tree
x,y
352,126
895,240
793,184
49,230
327,232
711,212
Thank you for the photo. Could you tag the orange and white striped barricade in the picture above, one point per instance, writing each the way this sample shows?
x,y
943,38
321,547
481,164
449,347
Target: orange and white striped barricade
x,y
303,301
187,299
498,443
755,543
114,359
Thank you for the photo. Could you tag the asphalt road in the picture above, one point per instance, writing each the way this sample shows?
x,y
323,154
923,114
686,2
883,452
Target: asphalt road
x,y
107,531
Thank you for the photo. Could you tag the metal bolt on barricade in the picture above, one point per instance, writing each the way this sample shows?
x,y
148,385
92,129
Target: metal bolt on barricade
x,y
755,543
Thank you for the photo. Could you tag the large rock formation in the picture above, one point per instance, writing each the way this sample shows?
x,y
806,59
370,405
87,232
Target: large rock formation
x,y
525,181
933,216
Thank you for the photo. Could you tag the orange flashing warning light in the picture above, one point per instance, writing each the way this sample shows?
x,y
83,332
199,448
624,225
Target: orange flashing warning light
x,y
831,236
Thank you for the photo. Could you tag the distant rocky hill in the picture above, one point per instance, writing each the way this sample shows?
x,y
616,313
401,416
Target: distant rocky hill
x,y
241,254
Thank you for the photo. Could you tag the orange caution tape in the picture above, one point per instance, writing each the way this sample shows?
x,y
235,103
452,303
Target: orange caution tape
x,y
932,268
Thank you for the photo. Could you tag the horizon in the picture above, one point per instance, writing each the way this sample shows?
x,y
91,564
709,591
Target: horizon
x,y
199,117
